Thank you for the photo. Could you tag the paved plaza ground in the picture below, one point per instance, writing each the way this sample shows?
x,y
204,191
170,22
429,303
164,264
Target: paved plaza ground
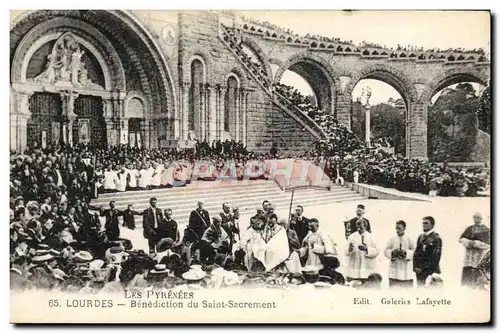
x,y
452,216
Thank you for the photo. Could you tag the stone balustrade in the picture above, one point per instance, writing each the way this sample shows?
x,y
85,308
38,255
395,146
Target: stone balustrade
x,y
232,41
344,48
255,69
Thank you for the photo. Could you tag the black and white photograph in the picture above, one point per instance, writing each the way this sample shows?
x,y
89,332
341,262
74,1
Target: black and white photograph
x,y
226,166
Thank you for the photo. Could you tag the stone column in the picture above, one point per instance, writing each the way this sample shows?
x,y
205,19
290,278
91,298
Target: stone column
x,y
19,132
343,108
238,93
19,115
121,121
244,117
145,129
184,105
222,97
212,122
367,125
416,145
202,124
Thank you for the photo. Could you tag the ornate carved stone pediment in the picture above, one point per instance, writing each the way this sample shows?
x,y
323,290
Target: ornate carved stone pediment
x,y
65,67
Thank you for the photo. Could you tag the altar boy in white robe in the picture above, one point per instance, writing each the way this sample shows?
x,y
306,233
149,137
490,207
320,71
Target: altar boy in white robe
x,y
400,250
362,252
315,244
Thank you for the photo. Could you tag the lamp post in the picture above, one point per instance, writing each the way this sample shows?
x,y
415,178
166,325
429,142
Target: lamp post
x,y
366,95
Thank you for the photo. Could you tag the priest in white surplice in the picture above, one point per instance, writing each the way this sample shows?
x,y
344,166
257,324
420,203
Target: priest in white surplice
x,y
400,250
276,248
315,244
362,252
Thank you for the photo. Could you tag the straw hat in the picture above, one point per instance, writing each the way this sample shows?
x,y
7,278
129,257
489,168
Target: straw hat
x,y
322,284
196,267
83,256
41,252
194,275
160,269
37,259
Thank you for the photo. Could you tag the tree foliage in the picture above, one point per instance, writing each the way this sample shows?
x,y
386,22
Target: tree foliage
x,y
452,124
484,111
387,121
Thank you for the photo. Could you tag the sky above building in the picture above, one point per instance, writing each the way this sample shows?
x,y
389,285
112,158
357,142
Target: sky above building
x,y
435,29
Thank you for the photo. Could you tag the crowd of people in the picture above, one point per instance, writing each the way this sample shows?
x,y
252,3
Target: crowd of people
x,y
59,241
56,250
348,158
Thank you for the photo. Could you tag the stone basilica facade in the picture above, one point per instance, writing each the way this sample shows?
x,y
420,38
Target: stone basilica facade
x,y
161,78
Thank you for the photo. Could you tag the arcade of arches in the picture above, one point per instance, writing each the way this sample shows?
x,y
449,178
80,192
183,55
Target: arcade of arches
x,y
115,77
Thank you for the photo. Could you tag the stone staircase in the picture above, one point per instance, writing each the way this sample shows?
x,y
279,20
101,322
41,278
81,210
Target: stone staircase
x,y
229,39
247,196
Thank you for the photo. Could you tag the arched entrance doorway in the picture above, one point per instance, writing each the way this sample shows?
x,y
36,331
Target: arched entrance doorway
x,y
82,66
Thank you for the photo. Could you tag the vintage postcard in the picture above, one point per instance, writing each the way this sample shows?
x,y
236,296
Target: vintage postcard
x,y
250,166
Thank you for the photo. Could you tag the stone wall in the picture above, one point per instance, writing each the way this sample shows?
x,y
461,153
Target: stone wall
x,y
266,123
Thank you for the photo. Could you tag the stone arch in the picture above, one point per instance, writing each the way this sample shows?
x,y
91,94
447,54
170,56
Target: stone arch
x,y
135,95
115,80
278,63
274,61
115,28
387,74
403,84
158,55
197,54
314,68
453,76
201,59
86,35
250,43
239,75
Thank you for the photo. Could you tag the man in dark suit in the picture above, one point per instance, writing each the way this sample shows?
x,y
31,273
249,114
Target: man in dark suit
x,y
300,223
112,225
228,223
350,225
169,228
151,219
199,221
128,217
428,252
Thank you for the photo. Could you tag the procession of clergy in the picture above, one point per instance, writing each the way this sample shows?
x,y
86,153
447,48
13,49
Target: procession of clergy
x,y
300,246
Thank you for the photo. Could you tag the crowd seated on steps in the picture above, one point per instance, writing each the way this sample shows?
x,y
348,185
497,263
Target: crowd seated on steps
x,y
71,251
347,159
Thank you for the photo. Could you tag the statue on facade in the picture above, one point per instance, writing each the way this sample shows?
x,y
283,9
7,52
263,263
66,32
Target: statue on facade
x,y
65,64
